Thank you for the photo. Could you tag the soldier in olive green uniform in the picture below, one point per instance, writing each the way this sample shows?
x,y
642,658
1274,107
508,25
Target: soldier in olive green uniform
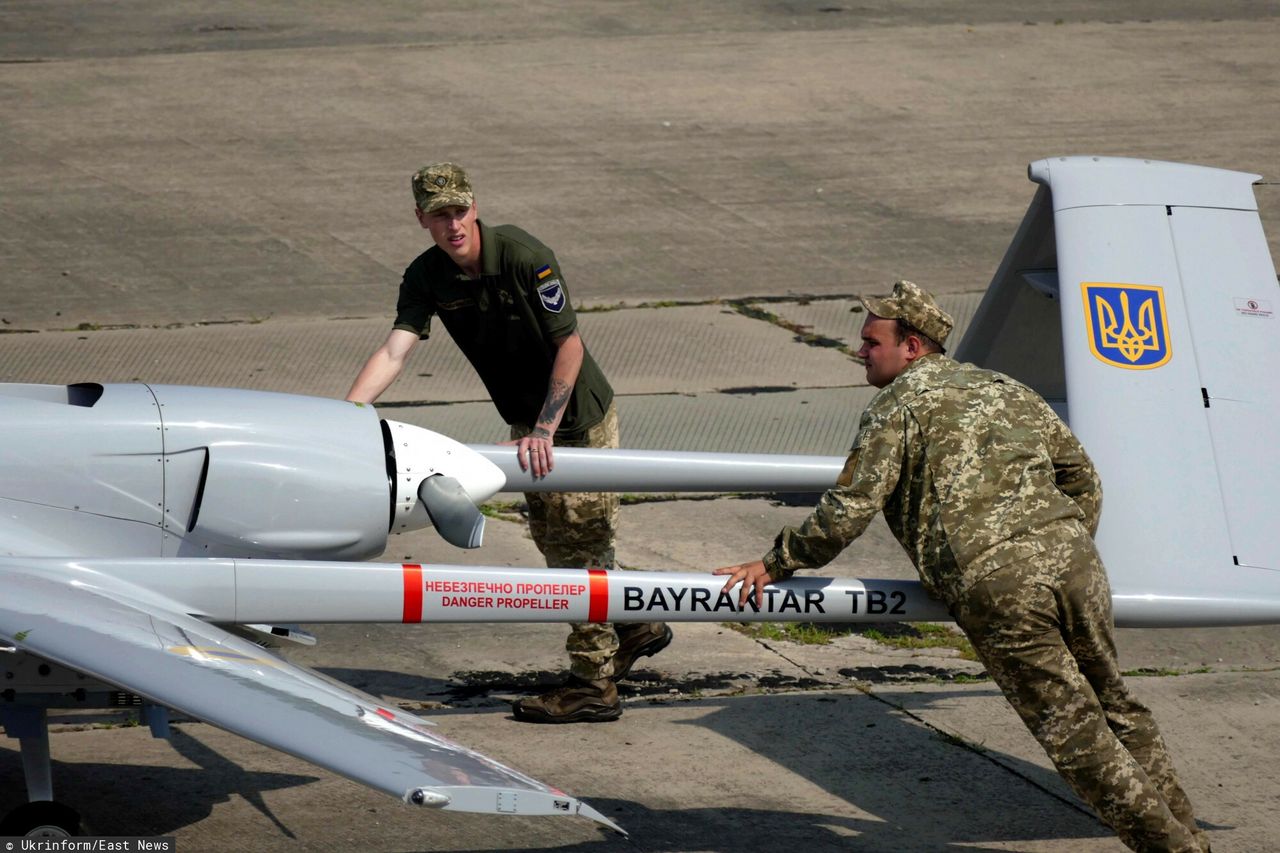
x,y
501,296
996,503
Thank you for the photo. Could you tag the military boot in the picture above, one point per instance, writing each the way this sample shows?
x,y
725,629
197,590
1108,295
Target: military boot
x,y
638,641
575,701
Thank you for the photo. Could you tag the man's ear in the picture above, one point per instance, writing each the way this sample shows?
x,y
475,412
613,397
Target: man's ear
x,y
422,217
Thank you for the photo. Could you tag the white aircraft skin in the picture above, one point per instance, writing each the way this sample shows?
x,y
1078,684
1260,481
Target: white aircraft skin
x,y
121,508
145,529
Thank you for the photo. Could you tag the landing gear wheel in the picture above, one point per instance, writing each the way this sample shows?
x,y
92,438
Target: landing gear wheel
x,y
42,819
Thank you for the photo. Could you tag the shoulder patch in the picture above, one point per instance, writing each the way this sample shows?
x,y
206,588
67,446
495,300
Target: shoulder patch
x,y
543,271
552,296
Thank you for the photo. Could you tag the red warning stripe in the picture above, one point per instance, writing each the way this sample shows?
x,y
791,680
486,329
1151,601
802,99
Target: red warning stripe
x,y
412,592
598,605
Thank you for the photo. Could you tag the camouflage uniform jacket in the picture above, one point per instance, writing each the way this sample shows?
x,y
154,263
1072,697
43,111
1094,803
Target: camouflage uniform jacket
x,y
971,468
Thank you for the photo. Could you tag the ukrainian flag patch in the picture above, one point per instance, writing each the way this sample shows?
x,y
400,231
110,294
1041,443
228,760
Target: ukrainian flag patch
x,y
1127,324
543,271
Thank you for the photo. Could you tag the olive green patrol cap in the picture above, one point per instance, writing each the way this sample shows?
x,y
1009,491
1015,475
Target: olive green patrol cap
x,y
441,185
912,303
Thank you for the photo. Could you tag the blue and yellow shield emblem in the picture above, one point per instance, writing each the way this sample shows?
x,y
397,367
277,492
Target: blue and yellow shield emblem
x,y
1127,324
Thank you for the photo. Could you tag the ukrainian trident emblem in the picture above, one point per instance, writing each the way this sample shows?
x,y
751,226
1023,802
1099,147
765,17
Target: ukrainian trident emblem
x,y
1127,323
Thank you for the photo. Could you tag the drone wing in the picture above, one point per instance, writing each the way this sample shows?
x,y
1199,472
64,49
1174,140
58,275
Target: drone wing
x,y
126,636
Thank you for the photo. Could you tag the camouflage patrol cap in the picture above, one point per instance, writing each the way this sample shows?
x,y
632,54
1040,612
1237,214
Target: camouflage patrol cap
x,y
912,303
441,185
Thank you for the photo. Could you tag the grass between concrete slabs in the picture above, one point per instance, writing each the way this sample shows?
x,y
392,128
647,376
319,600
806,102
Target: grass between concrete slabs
x,y
898,635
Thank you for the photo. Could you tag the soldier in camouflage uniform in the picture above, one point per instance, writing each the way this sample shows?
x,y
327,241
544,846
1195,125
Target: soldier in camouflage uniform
x,y
996,503
501,295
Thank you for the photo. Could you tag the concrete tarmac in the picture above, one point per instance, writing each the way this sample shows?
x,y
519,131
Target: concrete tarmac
x,y
218,195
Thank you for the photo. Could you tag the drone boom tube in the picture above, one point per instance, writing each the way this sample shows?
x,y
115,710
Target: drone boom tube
x,y
581,469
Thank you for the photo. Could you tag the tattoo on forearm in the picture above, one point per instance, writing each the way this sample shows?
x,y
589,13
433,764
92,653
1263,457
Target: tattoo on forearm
x,y
558,396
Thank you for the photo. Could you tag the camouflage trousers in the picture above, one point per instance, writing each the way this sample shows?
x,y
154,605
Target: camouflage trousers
x,y
575,530
1043,627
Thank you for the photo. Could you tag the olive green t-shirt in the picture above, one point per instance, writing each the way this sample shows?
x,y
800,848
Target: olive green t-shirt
x,y
506,323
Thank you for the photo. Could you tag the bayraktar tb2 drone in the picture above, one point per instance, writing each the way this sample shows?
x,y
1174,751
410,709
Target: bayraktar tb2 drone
x,y
149,533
